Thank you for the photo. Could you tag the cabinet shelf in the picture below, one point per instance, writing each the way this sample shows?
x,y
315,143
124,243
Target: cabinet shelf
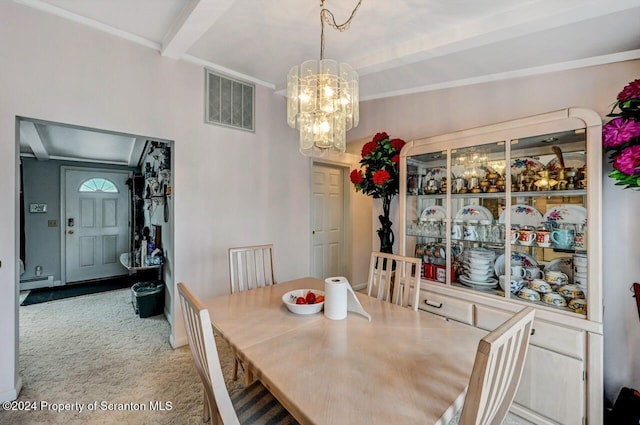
x,y
500,195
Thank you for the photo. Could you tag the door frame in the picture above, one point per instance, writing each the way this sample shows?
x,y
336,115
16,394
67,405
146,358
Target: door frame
x,y
346,207
63,213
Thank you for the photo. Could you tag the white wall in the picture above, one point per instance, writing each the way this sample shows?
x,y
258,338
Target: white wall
x,y
444,111
230,187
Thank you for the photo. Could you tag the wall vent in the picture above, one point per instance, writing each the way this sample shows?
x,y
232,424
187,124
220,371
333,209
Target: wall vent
x,y
229,102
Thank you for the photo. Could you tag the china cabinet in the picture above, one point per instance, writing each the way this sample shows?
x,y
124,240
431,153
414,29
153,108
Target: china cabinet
x,y
509,215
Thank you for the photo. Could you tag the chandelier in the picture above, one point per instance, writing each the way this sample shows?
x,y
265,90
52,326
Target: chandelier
x,y
322,97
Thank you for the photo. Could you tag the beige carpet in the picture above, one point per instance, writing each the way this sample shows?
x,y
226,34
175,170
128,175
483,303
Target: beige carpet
x,y
94,348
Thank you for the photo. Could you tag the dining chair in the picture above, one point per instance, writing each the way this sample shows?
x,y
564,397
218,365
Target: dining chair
x,y
395,278
253,404
497,370
251,267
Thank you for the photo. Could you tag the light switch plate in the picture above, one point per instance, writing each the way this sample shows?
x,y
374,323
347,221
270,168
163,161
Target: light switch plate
x,y
37,208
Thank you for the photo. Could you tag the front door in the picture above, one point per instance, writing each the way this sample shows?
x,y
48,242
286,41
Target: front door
x,y
95,216
327,221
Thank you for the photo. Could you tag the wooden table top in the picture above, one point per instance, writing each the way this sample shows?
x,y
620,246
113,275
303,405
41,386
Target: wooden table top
x,y
403,367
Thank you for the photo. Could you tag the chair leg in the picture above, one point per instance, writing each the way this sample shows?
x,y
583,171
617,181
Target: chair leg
x,y
206,412
235,369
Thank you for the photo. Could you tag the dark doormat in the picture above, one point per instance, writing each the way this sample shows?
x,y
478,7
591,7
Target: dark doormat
x,y
42,295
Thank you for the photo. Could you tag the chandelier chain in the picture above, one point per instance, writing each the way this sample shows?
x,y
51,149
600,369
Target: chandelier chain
x,y
329,18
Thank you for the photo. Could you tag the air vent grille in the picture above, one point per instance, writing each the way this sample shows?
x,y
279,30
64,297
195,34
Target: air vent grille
x,y
229,102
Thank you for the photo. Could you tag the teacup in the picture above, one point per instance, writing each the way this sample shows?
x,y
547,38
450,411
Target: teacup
x,y
540,286
526,236
529,294
563,238
571,291
518,272
543,238
555,277
515,284
515,235
533,273
578,305
554,299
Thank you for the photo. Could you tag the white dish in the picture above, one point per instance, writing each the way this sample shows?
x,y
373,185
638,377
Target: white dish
x,y
566,213
492,282
474,212
522,215
571,160
433,211
518,165
562,264
302,308
517,259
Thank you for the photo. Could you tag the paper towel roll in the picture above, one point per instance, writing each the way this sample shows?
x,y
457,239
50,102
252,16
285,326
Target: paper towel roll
x,y
335,297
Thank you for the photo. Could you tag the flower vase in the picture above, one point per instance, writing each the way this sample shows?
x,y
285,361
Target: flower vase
x,y
385,233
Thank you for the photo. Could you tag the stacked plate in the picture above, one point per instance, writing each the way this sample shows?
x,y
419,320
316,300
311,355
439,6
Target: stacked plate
x,y
478,265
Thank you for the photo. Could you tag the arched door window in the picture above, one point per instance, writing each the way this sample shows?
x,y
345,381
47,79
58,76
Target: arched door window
x,y
98,185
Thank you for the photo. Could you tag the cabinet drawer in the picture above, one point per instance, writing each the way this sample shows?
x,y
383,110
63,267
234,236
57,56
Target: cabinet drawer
x,y
452,308
547,335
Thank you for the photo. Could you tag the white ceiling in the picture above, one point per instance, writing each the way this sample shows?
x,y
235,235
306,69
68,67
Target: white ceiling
x,y
397,47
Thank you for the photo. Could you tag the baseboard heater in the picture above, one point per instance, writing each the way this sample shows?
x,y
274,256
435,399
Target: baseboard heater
x,y
36,282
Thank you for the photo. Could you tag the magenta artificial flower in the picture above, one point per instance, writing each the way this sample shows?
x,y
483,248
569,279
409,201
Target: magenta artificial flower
x,y
628,161
631,91
619,131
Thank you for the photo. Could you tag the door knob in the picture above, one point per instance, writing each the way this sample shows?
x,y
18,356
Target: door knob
x,y
70,232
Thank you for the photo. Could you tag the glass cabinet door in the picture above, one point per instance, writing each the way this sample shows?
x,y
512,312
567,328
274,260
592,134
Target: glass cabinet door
x,y
477,200
548,219
427,186
506,218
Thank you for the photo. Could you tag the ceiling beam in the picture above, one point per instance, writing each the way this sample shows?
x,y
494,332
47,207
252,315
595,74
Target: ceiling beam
x,y
30,136
194,21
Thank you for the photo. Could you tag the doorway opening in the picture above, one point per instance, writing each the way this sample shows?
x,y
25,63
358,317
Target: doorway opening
x,y
79,212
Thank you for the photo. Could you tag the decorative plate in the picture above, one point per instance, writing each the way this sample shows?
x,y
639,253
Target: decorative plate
x,y
566,213
562,264
517,259
433,211
474,212
571,160
518,165
522,215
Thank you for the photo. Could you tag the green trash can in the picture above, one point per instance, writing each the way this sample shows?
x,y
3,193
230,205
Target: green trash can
x,y
148,298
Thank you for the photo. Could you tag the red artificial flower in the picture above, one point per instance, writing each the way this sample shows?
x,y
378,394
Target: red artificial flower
x,y
356,177
380,177
395,158
368,148
628,162
619,131
631,91
397,144
380,136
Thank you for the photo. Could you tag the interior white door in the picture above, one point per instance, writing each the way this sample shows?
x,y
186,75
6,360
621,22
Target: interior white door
x,y
327,221
96,222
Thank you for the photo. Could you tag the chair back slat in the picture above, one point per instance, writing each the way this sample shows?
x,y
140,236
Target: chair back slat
x,y
395,279
497,371
205,355
251,267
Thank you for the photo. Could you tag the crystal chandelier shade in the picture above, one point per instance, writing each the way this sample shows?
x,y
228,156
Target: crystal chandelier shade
x,y
323,101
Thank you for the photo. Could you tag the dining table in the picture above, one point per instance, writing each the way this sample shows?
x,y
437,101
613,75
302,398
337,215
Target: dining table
x,y
402,367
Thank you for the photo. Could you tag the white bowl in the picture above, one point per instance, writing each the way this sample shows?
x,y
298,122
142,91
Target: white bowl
x,y
302,308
